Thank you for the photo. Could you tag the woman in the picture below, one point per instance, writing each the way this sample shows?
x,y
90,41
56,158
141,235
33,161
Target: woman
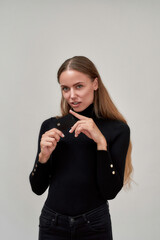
x,y
85,165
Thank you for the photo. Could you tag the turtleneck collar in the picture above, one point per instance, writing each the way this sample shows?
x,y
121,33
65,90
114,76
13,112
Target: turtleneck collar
x,y
88,112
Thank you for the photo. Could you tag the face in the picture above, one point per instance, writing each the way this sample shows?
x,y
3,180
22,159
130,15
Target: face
x,y
77,89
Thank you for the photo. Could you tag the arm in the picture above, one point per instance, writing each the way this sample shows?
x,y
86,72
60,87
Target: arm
x,y
111,164
40,175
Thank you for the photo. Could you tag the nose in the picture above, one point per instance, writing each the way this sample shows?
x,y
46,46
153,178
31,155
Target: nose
x,y
72,93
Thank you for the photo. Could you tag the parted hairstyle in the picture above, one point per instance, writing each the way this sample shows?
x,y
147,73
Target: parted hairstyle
x,y
103,104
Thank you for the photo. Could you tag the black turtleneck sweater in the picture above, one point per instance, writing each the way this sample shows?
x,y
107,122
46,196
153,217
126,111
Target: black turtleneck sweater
x,y
80,177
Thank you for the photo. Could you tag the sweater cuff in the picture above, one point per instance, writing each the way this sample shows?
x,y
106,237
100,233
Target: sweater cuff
x,y
39,167
104,160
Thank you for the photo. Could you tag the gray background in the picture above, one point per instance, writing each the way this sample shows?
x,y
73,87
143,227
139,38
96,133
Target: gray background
x,y
122,38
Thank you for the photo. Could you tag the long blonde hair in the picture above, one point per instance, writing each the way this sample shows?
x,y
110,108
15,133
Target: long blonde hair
x,y
103,104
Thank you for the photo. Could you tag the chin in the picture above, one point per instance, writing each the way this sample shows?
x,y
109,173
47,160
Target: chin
x,y
81,108
78,109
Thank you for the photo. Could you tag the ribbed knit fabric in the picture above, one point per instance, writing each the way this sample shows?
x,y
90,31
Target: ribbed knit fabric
x,y
80,177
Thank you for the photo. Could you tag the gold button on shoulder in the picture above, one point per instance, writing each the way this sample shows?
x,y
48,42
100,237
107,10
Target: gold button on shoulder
x,y
113,172
34,170
36,165
111,165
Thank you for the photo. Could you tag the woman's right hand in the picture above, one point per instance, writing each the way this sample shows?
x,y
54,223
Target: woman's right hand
x,y
48,143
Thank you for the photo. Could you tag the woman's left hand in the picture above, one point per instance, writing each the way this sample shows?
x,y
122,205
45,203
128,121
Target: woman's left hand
x,y
89,128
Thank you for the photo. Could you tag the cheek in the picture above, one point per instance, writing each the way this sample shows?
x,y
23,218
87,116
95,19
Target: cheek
x,y
88,92
65,95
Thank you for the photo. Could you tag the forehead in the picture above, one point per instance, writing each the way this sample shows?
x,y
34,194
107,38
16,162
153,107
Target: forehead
x,y
71,77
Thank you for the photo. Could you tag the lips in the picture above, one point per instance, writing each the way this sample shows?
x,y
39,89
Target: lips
x,y
74,104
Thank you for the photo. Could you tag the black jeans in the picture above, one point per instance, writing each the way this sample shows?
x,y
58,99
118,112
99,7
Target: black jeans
x,y
92,225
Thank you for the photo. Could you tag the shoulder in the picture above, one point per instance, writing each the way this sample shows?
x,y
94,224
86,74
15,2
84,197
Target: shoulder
x,y
113,124
119,128
49,123
120,131
113,128
120,125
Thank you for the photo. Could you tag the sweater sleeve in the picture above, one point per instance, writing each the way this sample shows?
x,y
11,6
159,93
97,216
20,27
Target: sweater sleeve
x,y
111,164
40,175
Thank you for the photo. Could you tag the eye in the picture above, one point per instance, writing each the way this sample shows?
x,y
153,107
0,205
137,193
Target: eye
x,y
65,89
79,86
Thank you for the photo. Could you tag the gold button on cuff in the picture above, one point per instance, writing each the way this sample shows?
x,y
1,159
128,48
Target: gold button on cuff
x,y
111,165
32,173
113,172
34,170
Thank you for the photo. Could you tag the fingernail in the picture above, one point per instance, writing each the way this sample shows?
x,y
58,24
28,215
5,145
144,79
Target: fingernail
x,y
63,135
70,130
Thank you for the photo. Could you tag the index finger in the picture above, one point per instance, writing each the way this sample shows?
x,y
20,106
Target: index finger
x,y
57,131
81,117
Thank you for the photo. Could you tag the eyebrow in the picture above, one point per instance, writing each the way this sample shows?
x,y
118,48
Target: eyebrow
x,y
73,85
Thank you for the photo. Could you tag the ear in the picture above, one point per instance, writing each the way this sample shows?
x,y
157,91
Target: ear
x,y
95,83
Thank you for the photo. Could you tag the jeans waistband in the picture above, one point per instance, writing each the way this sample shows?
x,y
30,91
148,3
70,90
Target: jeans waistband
x,y
72,219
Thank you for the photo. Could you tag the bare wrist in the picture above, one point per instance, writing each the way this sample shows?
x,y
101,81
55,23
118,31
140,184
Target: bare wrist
x,y
102,145
42,159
